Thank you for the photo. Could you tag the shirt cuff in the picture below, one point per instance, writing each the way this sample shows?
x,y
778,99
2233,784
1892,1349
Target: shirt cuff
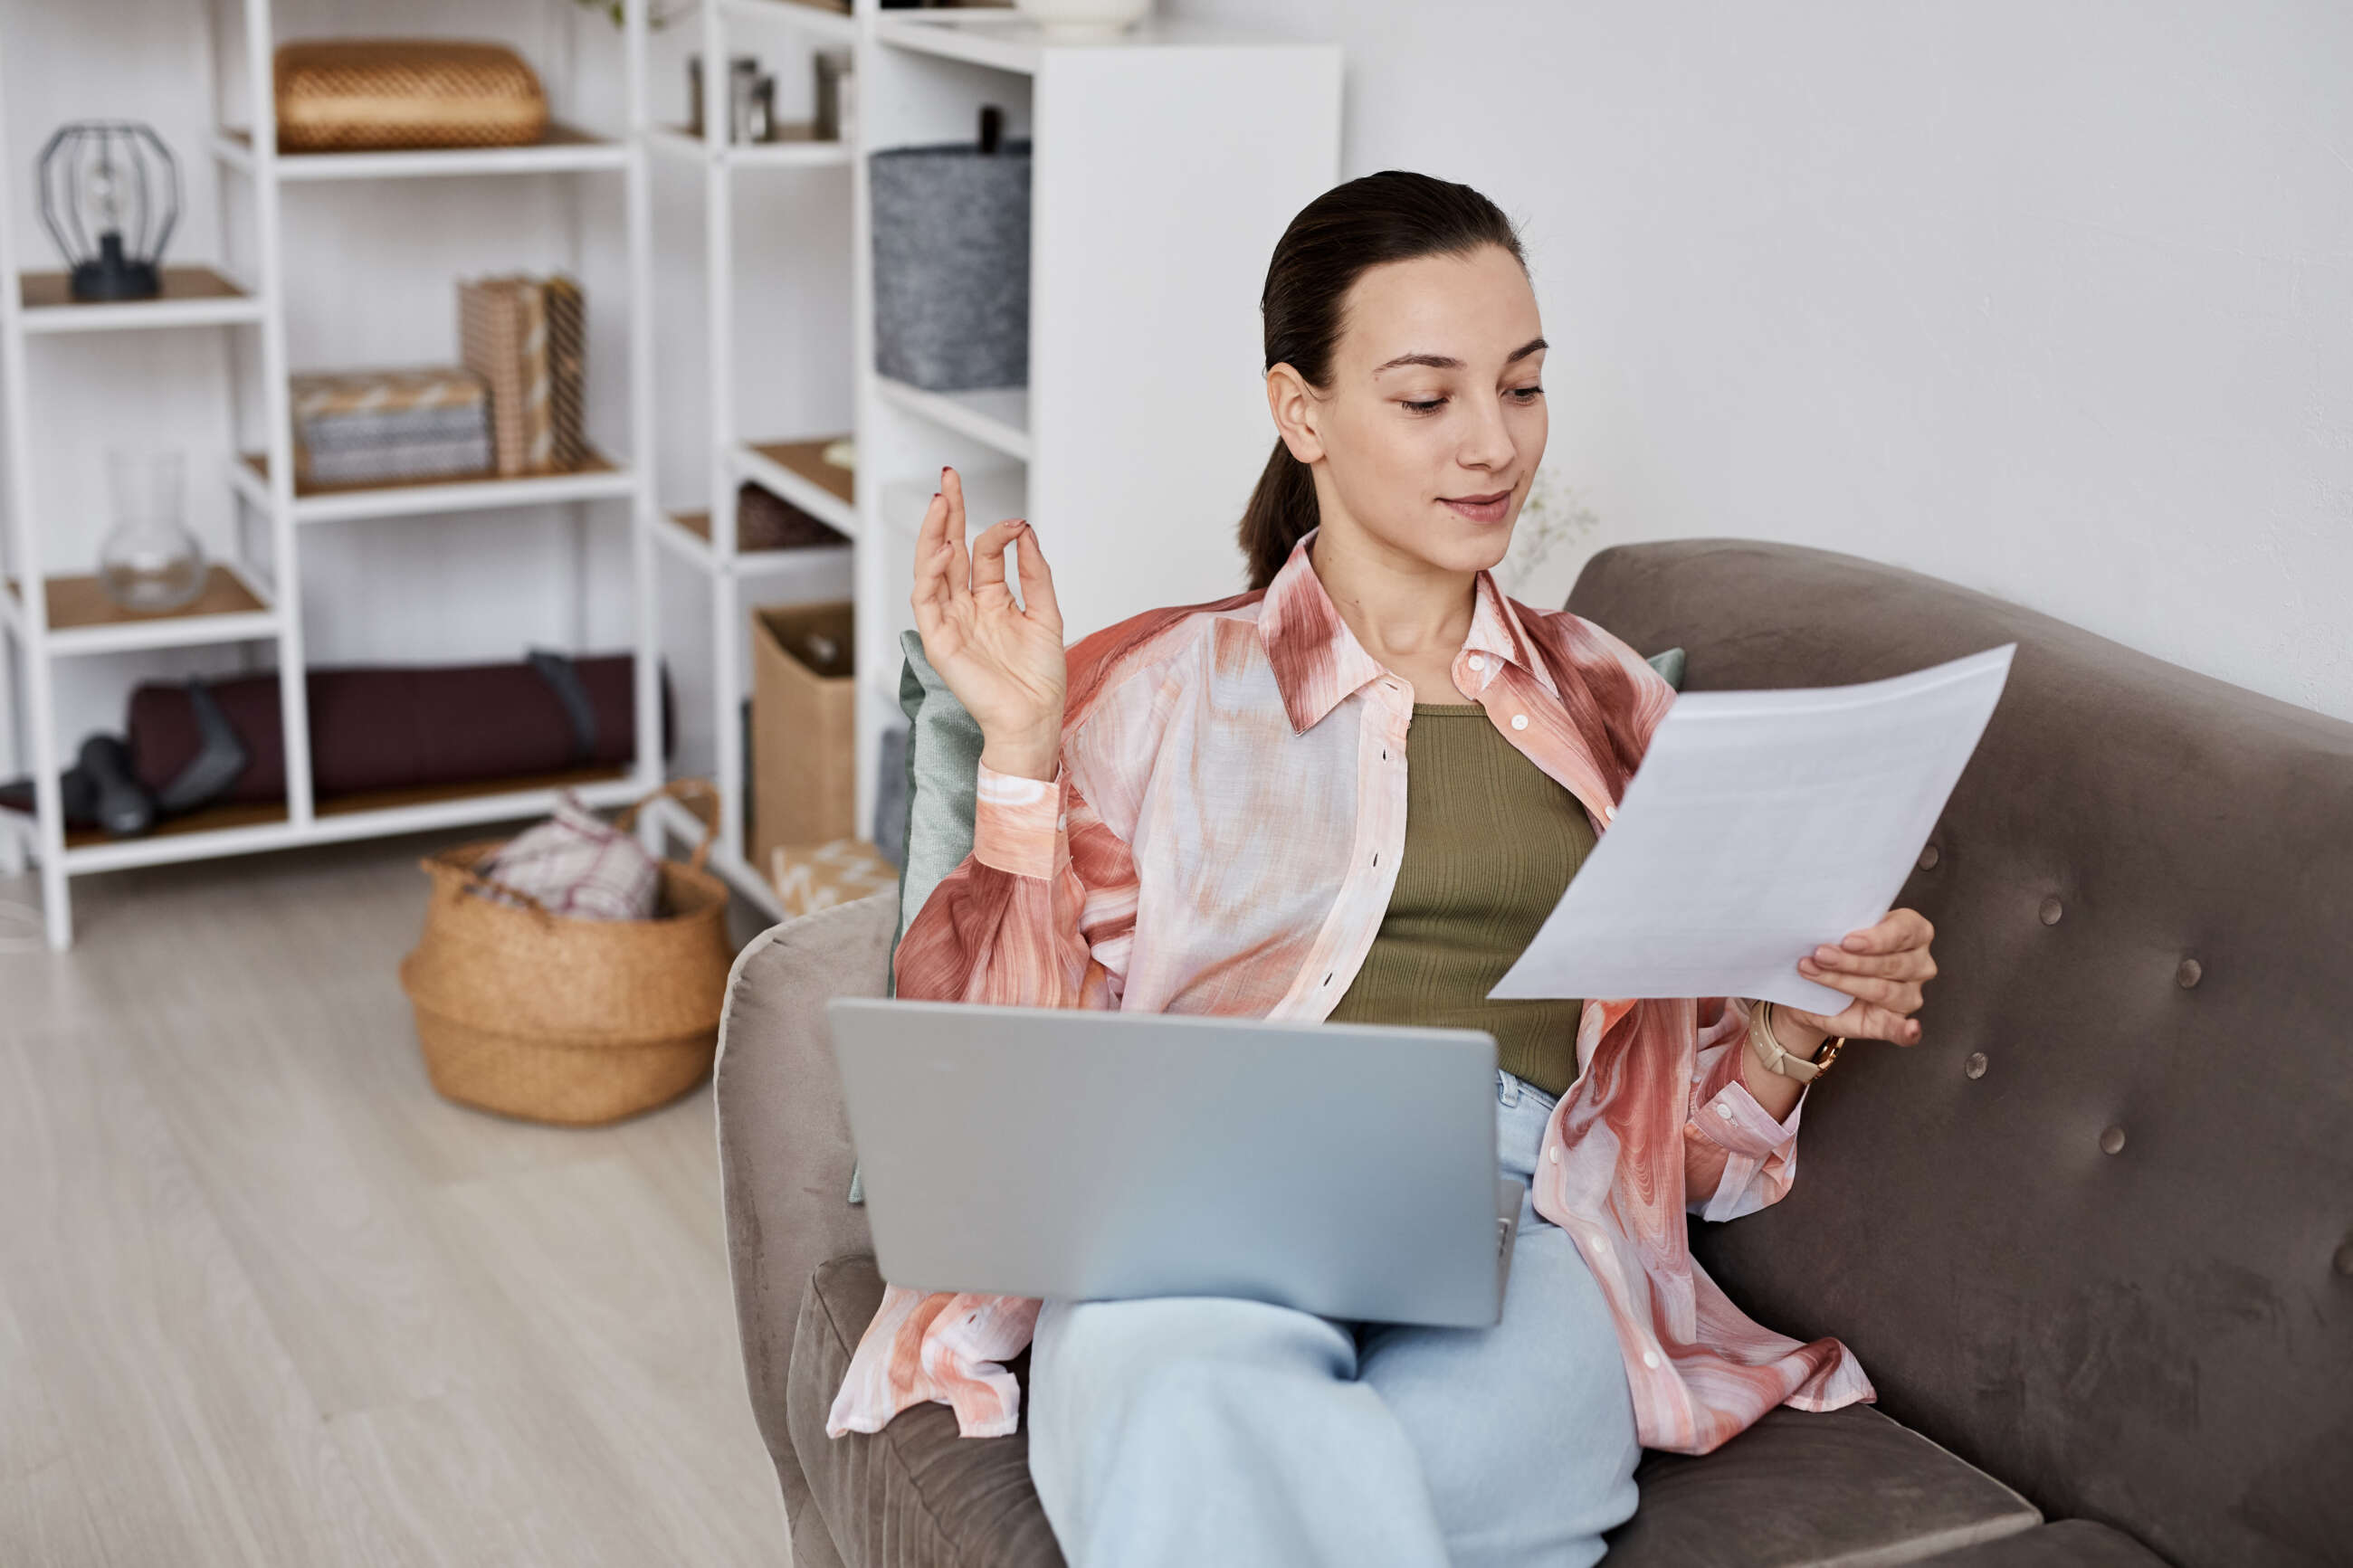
x,y
1733,1119
1016,823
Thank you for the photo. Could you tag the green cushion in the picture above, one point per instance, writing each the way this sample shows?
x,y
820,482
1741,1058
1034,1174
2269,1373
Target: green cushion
x,y
943,775
943,766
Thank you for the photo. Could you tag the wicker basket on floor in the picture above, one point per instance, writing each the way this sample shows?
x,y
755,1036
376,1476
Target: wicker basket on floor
x,y
576,1022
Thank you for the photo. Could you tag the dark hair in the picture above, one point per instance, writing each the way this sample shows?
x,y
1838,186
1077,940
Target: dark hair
x,y
1389,217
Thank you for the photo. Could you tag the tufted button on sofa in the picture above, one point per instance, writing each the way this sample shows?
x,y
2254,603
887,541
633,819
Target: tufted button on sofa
x,y
2092,1238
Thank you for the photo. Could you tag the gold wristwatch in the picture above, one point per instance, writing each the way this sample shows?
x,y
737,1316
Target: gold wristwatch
x,y
1776,1058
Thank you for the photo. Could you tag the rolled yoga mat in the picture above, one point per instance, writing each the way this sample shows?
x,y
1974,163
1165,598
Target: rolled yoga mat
x,y
394,727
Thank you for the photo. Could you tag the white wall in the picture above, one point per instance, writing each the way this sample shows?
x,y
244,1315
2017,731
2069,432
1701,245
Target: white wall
x,y
2050,300
370,270
2054,300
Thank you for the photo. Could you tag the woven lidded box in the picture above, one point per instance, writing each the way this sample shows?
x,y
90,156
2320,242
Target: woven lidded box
x,y
349,95
359,426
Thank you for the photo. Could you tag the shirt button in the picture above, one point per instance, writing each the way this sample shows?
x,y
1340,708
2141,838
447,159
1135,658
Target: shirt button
x,y
1651,1359
1478,661
1519,720
1723,1110
1553,1154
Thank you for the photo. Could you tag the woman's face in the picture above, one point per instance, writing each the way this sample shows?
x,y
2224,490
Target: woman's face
x,y
1433,422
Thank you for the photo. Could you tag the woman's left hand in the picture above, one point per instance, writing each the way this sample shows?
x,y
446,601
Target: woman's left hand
x,y
1882,967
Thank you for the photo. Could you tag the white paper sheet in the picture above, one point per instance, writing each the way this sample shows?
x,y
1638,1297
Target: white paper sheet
x,y
1761,824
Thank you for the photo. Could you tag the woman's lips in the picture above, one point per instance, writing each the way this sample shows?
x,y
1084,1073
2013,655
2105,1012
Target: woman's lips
x,y
1481,508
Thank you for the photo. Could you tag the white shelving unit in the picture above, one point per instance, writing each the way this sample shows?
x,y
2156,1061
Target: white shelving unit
x,y
1165,162
258,600
794,469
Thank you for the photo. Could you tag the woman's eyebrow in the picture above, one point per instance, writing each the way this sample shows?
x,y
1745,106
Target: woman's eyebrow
x,y
1447,361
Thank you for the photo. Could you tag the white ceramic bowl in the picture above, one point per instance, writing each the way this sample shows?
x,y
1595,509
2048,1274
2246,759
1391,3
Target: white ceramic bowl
x,y
1084,19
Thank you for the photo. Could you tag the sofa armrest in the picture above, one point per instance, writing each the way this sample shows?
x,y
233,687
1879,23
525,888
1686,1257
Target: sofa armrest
x,y
785,1157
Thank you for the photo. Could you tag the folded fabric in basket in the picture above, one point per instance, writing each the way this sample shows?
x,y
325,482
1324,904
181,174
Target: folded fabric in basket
x,y
578,864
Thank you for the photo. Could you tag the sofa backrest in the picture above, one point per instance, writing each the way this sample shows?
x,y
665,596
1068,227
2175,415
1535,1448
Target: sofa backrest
x,y
2095,1232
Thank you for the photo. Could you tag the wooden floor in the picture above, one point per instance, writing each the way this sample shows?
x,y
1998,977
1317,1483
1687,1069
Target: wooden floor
x,y
265,1298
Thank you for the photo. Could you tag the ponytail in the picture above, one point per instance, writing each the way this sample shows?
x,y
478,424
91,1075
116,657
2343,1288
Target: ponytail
x,y
1281,513
1335,238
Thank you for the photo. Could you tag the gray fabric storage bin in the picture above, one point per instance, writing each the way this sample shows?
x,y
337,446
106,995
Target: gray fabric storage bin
x,y
951,266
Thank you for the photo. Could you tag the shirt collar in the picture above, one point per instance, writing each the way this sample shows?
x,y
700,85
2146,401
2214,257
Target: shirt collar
x,y
1318,663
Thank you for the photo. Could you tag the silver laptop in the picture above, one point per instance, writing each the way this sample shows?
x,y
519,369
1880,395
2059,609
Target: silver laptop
x,y
1342,1169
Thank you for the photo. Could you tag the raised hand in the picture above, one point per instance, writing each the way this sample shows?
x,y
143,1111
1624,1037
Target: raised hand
x,y
1003,660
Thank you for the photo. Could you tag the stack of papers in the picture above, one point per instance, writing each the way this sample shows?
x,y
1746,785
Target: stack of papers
x,y
1762,825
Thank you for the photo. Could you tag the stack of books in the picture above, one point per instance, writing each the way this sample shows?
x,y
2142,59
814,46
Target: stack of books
x,y
375,427
527,338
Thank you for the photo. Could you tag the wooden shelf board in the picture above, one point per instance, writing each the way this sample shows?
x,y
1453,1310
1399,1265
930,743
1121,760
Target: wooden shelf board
x,y
560,148
437,795
211,819
557,134
800,132
598,478
305,489
54,290
261,813
81,601
807,458
697,526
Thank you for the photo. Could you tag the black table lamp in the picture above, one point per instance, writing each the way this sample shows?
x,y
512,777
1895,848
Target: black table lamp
x,y
109,195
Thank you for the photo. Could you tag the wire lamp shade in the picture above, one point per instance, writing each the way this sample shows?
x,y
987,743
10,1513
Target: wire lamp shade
x,y
109,195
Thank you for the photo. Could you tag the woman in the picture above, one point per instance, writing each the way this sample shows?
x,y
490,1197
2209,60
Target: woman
x,y
1209,810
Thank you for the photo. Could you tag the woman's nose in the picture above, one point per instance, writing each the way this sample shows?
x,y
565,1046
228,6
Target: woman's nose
x,y
1488,443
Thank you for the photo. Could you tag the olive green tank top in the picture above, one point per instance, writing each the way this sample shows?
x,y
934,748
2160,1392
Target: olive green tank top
x,y
1490,843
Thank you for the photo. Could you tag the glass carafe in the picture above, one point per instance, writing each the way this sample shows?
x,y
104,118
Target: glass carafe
x,y
150,562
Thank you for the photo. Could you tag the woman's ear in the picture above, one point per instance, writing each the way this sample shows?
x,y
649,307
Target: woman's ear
x,y
1294,405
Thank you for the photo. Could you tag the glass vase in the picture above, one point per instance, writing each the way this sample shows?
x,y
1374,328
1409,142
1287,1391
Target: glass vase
x,y
150,562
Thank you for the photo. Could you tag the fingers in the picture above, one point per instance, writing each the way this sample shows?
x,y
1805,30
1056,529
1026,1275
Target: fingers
x,y
1036,580
988,561
1897,995
947,572
951,492
1895,931
1865,1021
933,588
1912,964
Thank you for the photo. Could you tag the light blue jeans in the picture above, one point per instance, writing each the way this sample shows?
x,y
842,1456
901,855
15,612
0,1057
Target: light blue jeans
x,y
1200,1430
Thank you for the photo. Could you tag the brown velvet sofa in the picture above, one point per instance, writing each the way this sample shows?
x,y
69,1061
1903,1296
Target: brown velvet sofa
x,y
2094,1235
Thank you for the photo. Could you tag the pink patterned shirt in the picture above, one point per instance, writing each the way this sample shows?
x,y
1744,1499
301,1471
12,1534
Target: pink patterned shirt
x,y
1221,838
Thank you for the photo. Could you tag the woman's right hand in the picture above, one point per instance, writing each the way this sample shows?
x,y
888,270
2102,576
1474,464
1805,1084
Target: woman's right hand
x,y
1003,661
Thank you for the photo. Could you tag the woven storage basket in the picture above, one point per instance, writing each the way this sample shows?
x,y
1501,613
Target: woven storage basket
x,y
351,95
569,1021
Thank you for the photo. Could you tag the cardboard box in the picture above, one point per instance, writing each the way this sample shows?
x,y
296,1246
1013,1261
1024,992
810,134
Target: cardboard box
x,y
804,727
